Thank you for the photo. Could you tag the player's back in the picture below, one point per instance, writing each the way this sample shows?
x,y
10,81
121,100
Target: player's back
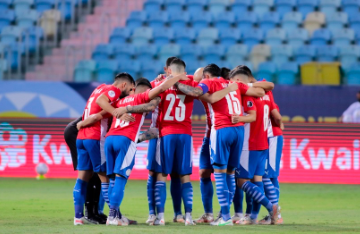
x,y
274,129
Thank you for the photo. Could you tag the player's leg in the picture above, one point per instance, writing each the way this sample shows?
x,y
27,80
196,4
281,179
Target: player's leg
x,y
101,204
175,191
153,150
92,200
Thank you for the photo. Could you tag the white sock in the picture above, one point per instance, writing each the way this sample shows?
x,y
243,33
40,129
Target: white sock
x,y
187,215
160,215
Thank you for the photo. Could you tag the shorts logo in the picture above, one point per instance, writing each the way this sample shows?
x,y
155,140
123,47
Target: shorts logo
x,y
111,93
250,104
128,171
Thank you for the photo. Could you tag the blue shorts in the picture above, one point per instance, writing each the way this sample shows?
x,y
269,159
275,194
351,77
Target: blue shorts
x,y
176,154
153,154
252,162
226,146
120,155
272,167
90,157
205,161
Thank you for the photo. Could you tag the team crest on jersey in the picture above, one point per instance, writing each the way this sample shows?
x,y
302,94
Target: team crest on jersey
x,y
111,93
250,104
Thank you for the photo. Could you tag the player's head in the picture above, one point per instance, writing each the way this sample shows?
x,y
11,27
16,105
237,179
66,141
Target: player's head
x,y
177,67
167,65
198,75
212,71
239,75
125,83
225,73
247,69
142,85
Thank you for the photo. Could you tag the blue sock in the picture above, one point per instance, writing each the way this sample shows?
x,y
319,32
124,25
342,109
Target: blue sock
x,y
230,180
105,192
257,195
187,196
160,196
111,186
150,193
117,195
238,200
249,203
256,205
175,190
276,184
270,191
101,203
79,195
207,193
222,192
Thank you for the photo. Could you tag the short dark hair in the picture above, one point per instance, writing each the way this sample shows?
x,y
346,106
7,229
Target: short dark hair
x,y
125,76
213,69
169,61
246,69
178,62
143,81
238,71
225,72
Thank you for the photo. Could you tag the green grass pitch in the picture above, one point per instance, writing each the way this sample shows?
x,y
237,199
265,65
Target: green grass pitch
x,y
46,206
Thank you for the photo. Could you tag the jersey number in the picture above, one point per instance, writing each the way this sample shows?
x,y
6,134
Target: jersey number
x,y
88,108
233,103
266,117
179,110
122,123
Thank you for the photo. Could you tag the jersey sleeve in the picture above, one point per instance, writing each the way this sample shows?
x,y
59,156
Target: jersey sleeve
x,y
248,103
243,88
272,102
112,93
205,85
142,98
153,83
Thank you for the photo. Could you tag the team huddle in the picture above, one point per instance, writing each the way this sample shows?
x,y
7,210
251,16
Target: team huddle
x,y
242,145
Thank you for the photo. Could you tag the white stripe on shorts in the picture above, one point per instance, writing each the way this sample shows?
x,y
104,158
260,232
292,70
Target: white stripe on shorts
x,y
244,159
272,152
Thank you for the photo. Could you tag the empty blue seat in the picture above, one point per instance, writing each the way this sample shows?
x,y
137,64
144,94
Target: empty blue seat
x,y
44,5
241,6
162,36
297,37
355,22
224,20
31,38
266,71
275,36
105,71
349,54
5,4
102,52
329,7
190,52
327,53
179,21
269,20
120,35
151,6
209,60
304,54
246,20
306,6
151,70
253,37
84,71
20,5
237,53
13,54
130,66
6,17
26,18
213,53
292,20
287,73
141,36
174,6
201,20
136,19
320,37
229,36
146,53
207,36
157,19
353,74
284,6
192,66
67,8
351,7
167,51
195,6
123,52
10,34
185,36
336,20
343,36
218,6
281,53
262,6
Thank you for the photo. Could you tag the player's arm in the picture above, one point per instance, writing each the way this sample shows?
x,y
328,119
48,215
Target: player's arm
x,y
148,135
266,85
275,114
217,96
189,90
91,120
249,118
170,81
104,102
147,107
255,92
